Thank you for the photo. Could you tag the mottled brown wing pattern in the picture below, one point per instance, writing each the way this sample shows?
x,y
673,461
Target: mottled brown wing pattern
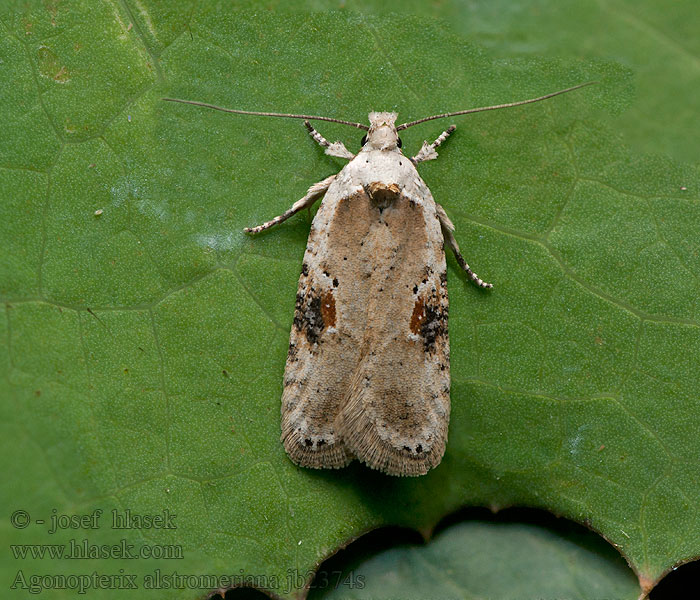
x,y
324,347
372,312
397,411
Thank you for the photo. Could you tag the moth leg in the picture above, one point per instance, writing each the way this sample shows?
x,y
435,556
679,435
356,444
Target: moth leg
x,y
315,192
427,151
335,149
318,138
447,231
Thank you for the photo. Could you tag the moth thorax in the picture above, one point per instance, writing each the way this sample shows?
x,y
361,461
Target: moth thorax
x,y
381,194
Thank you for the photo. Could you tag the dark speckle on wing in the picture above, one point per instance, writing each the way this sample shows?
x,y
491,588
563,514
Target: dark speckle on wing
x,y
314,313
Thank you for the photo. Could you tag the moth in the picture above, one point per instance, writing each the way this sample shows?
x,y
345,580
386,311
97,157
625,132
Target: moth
x,y
368,369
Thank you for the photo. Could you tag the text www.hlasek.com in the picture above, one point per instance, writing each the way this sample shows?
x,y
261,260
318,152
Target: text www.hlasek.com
x,y
78,550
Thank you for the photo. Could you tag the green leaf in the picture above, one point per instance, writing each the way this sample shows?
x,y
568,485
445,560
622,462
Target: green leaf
x,y
485,559
144,336
656,40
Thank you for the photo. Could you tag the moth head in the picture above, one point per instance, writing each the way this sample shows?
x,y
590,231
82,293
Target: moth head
x,y
382,133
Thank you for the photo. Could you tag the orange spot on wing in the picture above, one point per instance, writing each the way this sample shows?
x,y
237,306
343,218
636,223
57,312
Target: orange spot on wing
x,y
418,316
328,309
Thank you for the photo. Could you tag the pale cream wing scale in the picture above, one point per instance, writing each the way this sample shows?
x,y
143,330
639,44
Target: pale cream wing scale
x,y
323,348
372,310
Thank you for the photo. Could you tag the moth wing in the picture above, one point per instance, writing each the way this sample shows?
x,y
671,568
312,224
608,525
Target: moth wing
x,y
396,415
326,335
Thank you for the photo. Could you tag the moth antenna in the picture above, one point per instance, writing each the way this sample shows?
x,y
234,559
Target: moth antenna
x,y
268,114
496,106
